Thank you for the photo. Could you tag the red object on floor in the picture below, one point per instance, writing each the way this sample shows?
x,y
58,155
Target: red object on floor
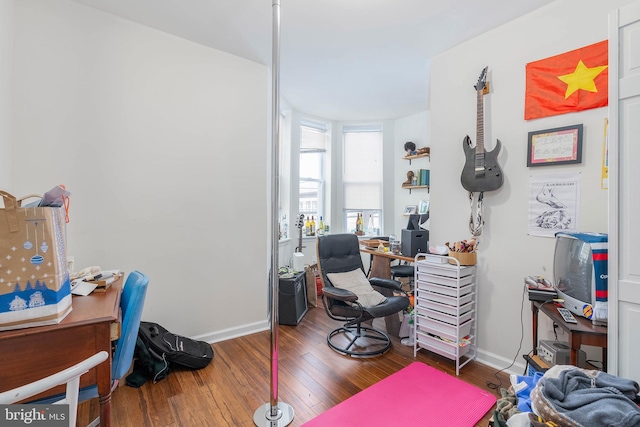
x,y
428,397
319,286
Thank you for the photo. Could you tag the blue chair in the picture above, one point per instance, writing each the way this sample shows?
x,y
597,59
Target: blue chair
x,y
131,304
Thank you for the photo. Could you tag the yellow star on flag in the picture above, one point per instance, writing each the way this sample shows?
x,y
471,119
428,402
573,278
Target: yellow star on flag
x,y
581,78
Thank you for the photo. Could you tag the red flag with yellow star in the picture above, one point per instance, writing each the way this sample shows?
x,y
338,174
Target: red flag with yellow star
x,y
572,81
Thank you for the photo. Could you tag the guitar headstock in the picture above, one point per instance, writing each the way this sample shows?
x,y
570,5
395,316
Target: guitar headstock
x,y
300,221
482,80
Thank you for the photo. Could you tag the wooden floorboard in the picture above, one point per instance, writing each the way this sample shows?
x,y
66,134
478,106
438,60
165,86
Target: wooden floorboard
x,y
311,378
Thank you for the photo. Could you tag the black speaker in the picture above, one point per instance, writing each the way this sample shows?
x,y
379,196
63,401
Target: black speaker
x,y
292,305
414,242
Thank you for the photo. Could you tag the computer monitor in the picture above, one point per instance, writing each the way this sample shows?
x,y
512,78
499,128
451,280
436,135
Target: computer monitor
x,y
415,220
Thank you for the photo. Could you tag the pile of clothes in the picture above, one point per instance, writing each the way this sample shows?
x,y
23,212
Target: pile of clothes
x,y
569,396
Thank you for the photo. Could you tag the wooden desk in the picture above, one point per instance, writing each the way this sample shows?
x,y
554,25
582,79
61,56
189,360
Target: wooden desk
x,y
381,262
381,267
584,332
30,354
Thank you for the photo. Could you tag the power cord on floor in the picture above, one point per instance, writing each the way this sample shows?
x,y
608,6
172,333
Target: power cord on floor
x,y
497,386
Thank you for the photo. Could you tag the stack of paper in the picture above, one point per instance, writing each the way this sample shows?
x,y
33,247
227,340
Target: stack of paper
x,y
104,280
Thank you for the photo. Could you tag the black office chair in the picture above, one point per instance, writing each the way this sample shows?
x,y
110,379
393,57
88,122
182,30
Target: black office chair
x,y
403,270
339,257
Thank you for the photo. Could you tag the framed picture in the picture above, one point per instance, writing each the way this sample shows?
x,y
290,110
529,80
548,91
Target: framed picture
x,y
410,209
423,207
558,146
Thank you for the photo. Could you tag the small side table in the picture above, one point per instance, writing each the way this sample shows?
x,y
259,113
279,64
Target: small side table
x,y
584,332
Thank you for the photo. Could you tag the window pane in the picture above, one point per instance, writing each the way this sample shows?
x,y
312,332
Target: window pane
x,y
309,191
363,195
311,165
363,156
312,138
372,221
362,177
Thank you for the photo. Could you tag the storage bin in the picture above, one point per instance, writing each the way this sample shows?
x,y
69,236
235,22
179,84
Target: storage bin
x,y
441,347
452,332
444,308
444,280
446,270
446,299
445,290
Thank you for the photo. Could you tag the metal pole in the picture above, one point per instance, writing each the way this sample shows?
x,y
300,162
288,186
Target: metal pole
x,y
274,413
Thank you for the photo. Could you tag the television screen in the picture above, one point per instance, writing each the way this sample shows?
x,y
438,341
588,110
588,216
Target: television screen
x,y
580,274
573,268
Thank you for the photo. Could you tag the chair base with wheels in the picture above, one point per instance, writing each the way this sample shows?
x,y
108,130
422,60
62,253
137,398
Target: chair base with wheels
x,y
354,339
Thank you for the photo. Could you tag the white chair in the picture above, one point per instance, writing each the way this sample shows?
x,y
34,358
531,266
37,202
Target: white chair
x,y
70,377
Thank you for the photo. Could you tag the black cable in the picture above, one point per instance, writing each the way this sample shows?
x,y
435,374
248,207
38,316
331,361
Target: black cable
x,y
526,365
495,386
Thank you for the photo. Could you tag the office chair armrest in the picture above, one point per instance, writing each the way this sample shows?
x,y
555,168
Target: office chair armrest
x,y
386,283
340,294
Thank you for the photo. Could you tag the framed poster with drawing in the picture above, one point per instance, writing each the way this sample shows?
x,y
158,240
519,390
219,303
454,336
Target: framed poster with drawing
x,y
558,146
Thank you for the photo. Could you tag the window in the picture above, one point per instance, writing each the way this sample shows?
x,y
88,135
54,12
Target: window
x,y
313,150
362,177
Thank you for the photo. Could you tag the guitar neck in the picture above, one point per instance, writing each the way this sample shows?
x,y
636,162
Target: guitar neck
x,y
480,123
300,240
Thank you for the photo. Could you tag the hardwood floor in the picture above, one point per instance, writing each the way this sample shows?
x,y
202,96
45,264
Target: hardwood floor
x,y
312,378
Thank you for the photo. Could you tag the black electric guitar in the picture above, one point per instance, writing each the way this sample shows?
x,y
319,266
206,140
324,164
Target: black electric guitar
x,y
481,171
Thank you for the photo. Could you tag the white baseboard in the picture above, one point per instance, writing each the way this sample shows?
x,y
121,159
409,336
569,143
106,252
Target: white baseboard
x,y
499,362
239,331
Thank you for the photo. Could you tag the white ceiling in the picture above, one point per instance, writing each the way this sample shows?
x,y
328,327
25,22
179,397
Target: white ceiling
x,y
339,59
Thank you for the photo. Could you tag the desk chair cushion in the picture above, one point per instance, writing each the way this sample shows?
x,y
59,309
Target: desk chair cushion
x,y
356,282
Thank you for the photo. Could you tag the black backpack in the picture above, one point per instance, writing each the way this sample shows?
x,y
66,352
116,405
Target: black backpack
x,y
174,348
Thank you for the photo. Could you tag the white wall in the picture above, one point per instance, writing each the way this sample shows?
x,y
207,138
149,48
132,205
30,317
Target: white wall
x,y
162,143
6,42
413,128
507,253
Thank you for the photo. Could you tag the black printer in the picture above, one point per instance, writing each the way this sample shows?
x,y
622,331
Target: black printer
x,y
414,239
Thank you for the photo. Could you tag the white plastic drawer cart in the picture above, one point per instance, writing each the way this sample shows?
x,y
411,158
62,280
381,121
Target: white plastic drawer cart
x,y
445,315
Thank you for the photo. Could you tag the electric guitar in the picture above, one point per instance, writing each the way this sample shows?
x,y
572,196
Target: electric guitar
x,y
300,225
481,171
